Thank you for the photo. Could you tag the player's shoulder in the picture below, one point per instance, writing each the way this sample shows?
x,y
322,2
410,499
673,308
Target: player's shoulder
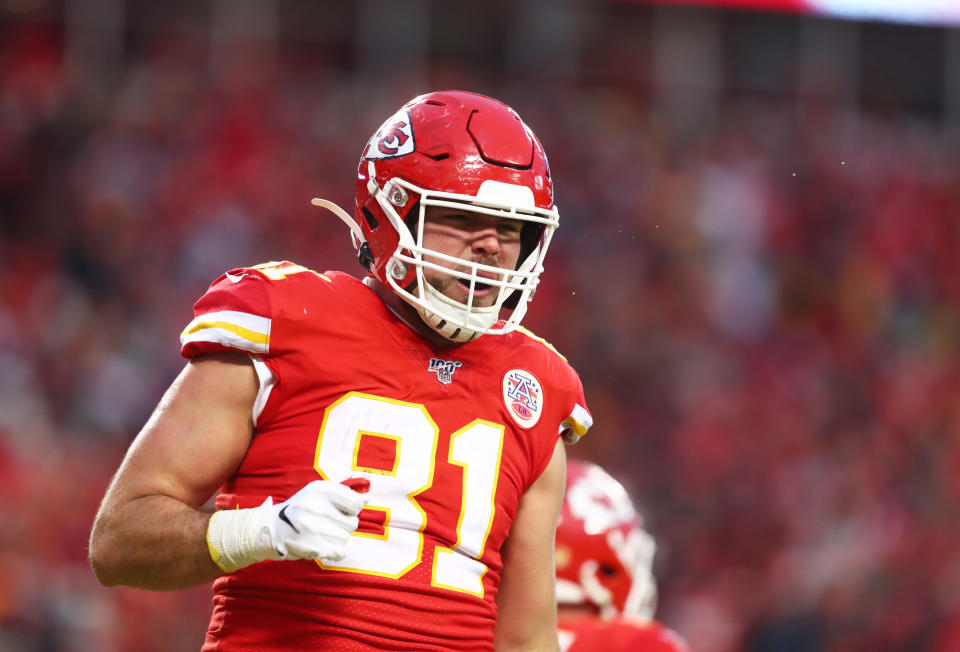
x,y
241,308
526,348
276,281
536,365
532,344
284,273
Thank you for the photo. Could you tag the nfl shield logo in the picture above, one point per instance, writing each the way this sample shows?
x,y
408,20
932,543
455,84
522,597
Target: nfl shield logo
x,y
444,369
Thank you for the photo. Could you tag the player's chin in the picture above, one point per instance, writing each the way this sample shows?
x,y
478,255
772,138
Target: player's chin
x,y
478,302
485,303
458,290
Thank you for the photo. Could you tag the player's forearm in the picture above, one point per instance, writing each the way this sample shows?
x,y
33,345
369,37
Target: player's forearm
x,y
546,641
527,616
152,542
527,627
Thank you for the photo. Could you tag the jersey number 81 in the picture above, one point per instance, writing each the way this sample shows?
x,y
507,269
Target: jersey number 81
x,y
476,447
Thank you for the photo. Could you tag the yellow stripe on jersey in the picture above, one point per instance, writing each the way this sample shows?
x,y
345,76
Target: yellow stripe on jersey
x,y
521,329
578,422
239,330
279,270
256,338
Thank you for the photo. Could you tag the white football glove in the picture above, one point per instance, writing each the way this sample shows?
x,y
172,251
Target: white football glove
x,y
314,523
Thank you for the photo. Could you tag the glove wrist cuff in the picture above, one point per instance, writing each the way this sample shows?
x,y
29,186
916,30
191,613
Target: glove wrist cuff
x,y
239,537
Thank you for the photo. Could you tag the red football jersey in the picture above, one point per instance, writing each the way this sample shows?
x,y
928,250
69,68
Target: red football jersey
x,y
594,634
449,438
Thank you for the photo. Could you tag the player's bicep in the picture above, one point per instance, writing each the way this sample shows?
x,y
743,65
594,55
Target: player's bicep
x,y
526,602
197,435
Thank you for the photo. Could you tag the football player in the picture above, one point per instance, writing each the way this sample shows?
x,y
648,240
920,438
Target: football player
x,y
388,451
606,593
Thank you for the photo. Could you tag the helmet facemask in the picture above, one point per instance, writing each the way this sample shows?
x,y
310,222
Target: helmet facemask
x,y
636,551
454,320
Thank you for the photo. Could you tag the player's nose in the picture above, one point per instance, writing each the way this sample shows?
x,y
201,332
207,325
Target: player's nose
x,y
485,242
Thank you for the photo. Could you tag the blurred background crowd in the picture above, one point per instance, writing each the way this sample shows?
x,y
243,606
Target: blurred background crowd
x,y
756,276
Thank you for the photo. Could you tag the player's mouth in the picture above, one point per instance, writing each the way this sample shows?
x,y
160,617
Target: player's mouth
x,y
479,289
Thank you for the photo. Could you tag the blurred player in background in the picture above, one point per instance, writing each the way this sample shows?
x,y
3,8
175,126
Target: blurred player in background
x,y
388,451
606,592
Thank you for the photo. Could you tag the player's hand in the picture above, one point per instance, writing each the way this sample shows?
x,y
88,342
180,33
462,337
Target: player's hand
x,y
316,522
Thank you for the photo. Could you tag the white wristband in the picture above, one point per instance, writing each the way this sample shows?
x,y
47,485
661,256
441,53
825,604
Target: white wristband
x,y
239,537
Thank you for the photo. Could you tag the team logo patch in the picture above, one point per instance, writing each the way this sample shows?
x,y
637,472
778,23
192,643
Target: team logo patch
x,y
393,138
523,396
444,369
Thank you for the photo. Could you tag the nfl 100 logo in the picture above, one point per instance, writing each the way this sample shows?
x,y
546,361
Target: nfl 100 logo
x,y
444,369
523,396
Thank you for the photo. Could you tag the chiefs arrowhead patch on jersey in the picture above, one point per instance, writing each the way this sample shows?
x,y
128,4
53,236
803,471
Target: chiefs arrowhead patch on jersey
x,y
523,396
394,138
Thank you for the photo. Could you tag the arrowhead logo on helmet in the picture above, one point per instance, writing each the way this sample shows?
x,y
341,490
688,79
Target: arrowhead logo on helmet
x,y
452,149
393,138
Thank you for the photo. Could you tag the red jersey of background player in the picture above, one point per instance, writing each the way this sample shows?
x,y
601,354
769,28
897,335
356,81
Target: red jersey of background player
x,y
449,438
595,635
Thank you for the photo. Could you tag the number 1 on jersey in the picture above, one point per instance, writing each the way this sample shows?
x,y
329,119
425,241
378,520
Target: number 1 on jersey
x,y
477,449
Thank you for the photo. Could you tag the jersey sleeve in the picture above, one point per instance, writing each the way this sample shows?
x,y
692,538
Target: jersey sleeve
x,y
234,314
575,417
578,420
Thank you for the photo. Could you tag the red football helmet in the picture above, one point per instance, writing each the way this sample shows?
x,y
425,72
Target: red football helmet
x,y
456,150
604,556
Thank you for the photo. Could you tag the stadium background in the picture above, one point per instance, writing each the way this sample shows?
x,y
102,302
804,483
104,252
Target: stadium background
x,y
756,276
